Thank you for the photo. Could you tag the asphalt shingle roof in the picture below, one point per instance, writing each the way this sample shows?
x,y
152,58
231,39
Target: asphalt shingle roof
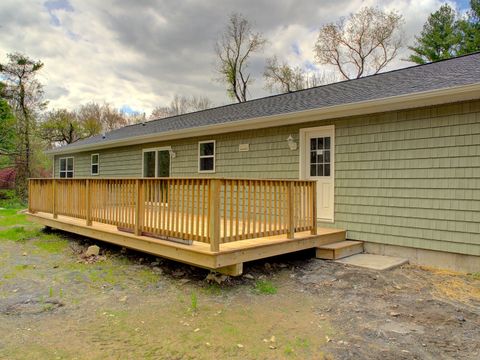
x,y
454,72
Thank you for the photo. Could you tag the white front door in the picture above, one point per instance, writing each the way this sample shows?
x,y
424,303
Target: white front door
x,y
317,147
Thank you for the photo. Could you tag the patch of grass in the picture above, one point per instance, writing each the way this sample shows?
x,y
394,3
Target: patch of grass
x,y
147,276
475,276
288,350
193,302
213,289
51,243
19,234
10,217
265,287
300,344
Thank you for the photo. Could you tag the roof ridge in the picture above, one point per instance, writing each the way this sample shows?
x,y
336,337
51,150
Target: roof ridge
x,y
310,88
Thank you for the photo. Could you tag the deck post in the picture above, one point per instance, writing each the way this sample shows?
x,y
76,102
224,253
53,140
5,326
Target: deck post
x,y
314,207
88,204
214,221
138,207
290,210
54,199
30,196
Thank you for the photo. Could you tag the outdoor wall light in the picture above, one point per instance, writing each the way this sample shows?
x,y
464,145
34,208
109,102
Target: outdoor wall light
x,y
172,153
291,143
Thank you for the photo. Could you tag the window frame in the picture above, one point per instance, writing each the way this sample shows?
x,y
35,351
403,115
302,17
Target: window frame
x,y
97,163
156,150
200,171
66,171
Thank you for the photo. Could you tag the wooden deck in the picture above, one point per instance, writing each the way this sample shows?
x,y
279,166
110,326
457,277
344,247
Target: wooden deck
x,y
228,260
212,223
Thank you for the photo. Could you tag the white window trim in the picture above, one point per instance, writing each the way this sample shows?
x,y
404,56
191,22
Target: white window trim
x,y
97,163
207,156
302,171
66,167
157,149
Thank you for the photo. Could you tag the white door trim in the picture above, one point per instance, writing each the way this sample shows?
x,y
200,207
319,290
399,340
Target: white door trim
x,y
302,168
156,149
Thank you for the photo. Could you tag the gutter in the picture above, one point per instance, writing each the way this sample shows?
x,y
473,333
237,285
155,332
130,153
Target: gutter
x,y
420,99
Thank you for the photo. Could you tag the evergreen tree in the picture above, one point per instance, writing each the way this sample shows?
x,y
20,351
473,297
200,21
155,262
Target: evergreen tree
x,y
469,29
439,38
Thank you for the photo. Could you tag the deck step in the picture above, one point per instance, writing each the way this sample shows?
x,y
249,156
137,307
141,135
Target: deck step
x,y
339,250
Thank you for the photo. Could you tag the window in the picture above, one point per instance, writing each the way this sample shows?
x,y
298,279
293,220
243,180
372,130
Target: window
x,y
206,156
66,167
156,162
320,156
95,163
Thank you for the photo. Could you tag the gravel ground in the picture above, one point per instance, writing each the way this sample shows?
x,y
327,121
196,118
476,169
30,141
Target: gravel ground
x,y
57,304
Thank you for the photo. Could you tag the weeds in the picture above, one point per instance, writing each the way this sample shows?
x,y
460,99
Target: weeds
x,y
19,234
475,276
193,302
265,287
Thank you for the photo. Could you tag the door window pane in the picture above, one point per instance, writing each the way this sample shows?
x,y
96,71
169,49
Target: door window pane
x,y
320,156
149,164
163,164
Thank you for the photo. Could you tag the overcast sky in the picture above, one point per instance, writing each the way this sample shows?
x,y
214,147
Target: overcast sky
x,y
138,54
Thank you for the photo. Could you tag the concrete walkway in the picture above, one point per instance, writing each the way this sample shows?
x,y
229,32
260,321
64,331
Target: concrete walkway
x,y
375,262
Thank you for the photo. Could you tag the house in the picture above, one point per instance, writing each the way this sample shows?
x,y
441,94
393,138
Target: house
x,y
394,157
7,178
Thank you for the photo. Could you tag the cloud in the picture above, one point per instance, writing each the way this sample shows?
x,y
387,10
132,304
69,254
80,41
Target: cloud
x,y
138,54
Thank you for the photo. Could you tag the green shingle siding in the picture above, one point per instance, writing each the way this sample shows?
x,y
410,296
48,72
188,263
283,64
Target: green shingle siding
x,y
407,178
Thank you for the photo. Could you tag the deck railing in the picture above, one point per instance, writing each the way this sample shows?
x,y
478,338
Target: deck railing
x,y
209,210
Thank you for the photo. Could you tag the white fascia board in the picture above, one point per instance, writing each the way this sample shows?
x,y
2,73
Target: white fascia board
x,y
420,99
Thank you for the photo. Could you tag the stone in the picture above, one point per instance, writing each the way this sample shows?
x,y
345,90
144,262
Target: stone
x,y
92,250
248,276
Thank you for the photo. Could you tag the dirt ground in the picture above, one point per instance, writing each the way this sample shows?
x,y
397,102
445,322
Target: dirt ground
x,y
56,304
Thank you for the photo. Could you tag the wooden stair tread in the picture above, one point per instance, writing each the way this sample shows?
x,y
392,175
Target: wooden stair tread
x,y
341,245
339,249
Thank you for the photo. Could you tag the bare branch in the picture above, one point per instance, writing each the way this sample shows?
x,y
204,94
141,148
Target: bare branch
x,y
363,44
233,48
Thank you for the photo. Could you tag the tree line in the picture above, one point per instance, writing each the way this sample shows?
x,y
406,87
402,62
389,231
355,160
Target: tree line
x,y
362,44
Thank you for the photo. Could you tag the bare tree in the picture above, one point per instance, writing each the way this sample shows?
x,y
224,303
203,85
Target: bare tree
x,y
362,44
112,118
233,48
284,78
97,118
181,105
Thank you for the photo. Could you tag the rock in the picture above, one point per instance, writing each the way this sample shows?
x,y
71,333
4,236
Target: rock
x,y
248,276
273,347
178,273
394,314
24,254
196,330
214,277
272,339
240,346
157,270
92,250
123,299
183,281
268,267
